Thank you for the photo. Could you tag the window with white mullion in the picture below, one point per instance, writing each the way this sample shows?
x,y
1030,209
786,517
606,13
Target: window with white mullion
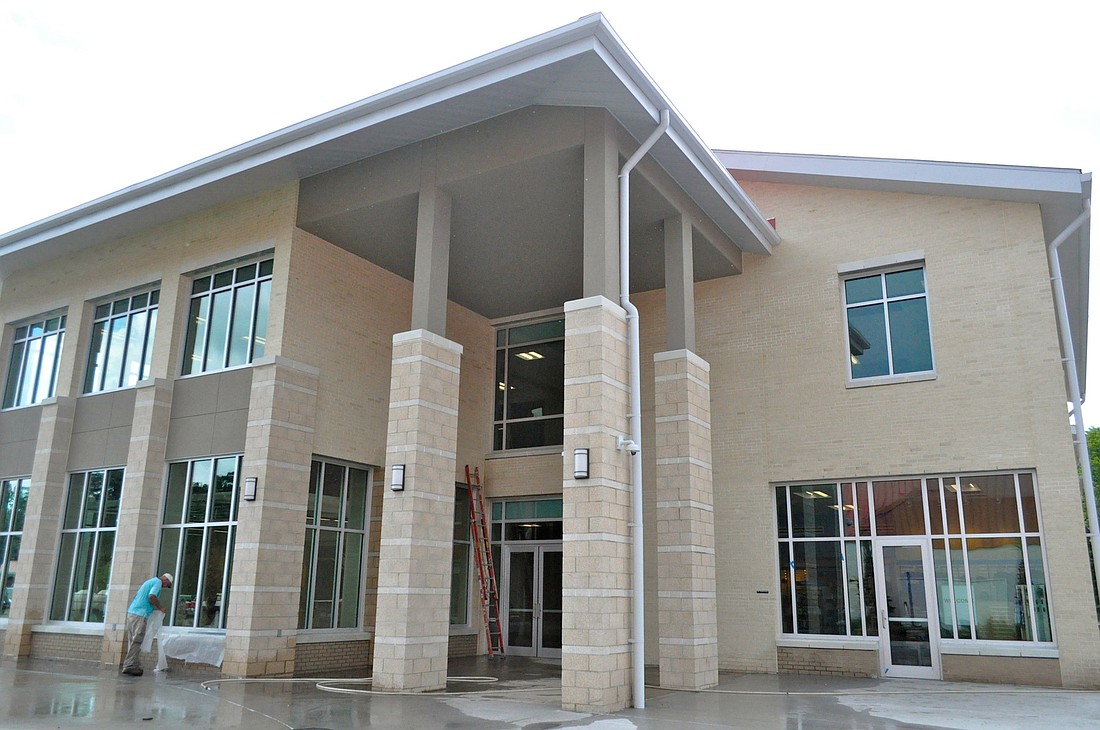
x,y
89,526
33,365
199,528
334,554
120,350
227,323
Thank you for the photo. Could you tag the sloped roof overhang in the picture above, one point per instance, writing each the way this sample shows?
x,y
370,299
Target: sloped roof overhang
x,y
581,64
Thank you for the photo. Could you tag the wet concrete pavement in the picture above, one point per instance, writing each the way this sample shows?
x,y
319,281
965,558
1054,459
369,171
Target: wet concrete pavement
x,y
526,696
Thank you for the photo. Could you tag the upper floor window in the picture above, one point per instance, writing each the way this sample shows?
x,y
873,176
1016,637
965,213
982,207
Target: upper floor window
x,y
35,356
122,342
530,382
887,317
227,325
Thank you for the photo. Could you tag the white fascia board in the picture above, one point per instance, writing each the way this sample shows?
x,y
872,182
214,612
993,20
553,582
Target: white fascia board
x,y
619,59
946,178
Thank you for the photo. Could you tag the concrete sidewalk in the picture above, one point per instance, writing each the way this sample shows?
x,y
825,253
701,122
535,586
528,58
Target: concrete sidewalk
x,y
526,695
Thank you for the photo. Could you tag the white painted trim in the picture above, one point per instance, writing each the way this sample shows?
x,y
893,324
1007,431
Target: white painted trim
x,y
882,262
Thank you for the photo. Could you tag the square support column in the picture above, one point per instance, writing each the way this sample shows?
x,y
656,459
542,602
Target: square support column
x,y
260,636
139,512
30,603
686,592
412,625
596,572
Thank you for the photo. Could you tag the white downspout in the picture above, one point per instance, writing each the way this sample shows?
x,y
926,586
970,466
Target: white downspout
x,y
1070,360
634,417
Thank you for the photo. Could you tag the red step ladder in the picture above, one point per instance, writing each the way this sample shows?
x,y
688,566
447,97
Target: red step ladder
x,y
483,554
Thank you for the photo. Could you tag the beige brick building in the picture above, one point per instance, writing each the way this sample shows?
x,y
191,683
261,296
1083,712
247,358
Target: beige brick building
x,y
844,429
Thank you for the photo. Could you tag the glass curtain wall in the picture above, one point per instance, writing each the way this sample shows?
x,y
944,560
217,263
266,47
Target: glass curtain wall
x,y
986,545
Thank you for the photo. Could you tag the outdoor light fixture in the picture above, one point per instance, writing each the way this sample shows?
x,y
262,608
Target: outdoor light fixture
x,y
397,477
580,463
250,489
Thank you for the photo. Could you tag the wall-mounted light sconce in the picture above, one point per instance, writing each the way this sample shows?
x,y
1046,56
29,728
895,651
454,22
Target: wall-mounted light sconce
x,y
397,477
250,484
580,463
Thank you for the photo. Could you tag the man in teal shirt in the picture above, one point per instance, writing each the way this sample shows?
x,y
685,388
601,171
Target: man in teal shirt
x,y
136,617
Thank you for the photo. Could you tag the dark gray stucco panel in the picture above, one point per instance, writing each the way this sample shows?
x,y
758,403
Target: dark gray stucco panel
x,y
102,425
209,414
18,436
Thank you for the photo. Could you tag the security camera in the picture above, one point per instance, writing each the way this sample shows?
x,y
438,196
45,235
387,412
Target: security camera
x,y
629,445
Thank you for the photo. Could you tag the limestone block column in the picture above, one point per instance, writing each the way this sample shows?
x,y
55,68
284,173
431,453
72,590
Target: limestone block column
x,y
30,603
686,592
412,623
261,629
139,512
596,572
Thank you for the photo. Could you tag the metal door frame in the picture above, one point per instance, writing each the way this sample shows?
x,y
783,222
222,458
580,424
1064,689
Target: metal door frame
x,y
886,665
539,549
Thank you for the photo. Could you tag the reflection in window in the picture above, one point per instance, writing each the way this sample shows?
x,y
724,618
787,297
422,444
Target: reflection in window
x,y
121,349
887,317
335,545
460,558
35,358
13,511
986,548
530,385
196,542
227,324
87,546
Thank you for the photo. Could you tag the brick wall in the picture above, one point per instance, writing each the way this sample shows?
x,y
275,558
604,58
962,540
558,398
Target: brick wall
x,y
66,646
1002,670
836,662
462,645
333,658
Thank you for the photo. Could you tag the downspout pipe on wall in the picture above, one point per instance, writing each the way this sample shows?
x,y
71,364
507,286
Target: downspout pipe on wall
x,y
1070,360
634,416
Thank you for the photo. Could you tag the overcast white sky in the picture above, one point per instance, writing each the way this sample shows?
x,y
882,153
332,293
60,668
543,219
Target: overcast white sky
x,y
97,96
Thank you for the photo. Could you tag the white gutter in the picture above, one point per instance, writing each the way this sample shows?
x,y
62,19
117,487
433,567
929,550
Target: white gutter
x,y
1070,360
634,416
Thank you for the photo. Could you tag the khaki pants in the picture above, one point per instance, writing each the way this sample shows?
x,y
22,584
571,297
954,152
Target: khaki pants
x,y
135,630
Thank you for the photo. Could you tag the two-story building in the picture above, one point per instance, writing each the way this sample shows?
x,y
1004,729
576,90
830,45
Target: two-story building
x,y
731,410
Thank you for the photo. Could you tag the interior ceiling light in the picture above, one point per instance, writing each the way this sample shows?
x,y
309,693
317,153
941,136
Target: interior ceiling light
x,y
530,355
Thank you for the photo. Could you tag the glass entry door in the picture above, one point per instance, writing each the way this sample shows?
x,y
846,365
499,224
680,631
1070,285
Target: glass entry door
x,y
532,595
908,623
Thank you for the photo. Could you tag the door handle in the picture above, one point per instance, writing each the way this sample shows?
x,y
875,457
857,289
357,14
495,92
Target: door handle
x,y
885,620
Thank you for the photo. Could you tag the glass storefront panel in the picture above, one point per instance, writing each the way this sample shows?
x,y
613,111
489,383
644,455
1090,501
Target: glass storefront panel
x,y
996,579
819,584
899,507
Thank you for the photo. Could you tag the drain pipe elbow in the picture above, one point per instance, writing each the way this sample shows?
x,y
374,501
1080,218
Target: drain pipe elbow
x,y
634,416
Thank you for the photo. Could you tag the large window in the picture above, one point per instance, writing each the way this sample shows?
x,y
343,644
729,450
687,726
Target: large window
x,y
986,548
13,510
530,385
87,545
35,356
196,542
227,325
887,317
122,342
335,544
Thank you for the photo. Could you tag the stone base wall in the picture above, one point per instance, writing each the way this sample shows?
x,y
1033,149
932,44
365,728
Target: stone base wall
x,y
462,645
82,647
836,662
332,658
1002,670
